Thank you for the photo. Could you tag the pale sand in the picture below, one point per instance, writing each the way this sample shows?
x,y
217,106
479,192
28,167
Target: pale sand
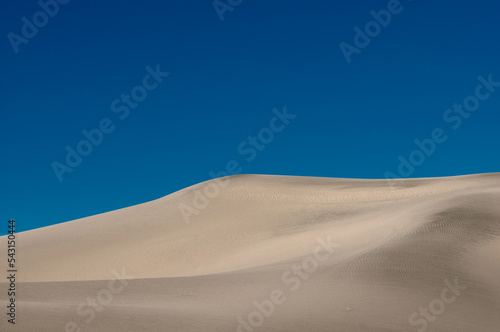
x,y
396,247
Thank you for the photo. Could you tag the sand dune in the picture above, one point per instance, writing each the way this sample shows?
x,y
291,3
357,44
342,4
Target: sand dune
x,y
273,253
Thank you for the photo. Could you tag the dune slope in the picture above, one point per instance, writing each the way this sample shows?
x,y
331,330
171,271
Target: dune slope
x,y
273,253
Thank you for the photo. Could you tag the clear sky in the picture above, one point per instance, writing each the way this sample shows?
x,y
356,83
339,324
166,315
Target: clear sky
x,y
360,99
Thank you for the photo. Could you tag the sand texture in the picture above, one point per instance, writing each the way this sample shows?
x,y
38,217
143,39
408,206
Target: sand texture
x,y
272,253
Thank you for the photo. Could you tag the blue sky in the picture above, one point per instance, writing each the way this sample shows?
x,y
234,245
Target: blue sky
x,y
225,78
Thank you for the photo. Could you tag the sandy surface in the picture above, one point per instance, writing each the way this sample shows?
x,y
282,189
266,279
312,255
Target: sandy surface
x,y
314,254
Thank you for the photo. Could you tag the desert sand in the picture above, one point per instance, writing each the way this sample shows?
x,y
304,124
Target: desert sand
x,y
272,253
